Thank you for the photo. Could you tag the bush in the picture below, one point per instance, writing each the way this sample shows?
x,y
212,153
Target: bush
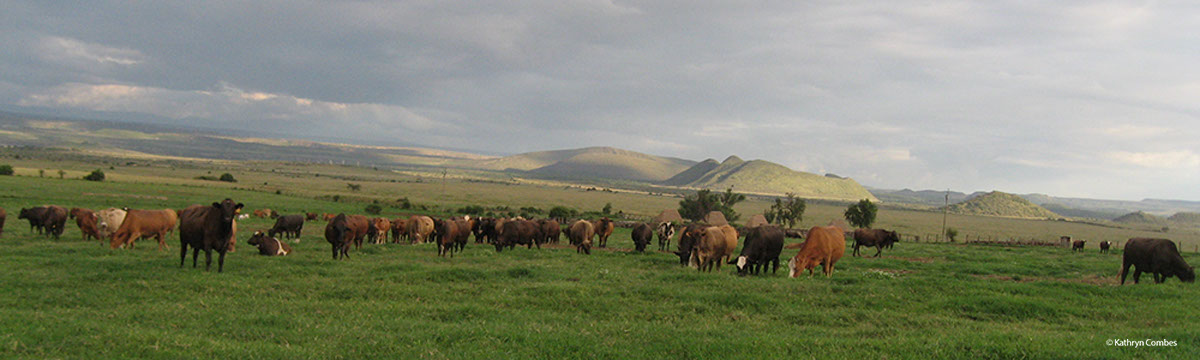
x,y
563,212
404,203
6,170
227,177
95,176
862,214
471,210
951,233
206,177
374,209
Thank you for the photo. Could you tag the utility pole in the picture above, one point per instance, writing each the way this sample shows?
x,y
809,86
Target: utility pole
x,y
944,210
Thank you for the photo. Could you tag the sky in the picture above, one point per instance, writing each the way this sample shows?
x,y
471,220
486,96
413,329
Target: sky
x,y
1093,99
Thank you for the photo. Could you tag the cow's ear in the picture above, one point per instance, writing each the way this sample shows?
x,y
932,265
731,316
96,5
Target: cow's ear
x,y
217,205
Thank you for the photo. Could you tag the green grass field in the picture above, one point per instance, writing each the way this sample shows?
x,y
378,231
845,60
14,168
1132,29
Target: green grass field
x,y
70,299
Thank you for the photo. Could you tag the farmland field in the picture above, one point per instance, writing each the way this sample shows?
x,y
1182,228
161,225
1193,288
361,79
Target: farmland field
x,y
72,299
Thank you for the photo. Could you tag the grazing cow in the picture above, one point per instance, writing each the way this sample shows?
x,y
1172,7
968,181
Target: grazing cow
x,y
206,228
141,224
665,231
878,238
641,236
763,245
86,220
328,217
687,240
824,246
399,230
310,216
447,233
1159,257
339,235
378,230
109,221
36,216
580,234
519,232
551,231
419,229
3,215
269,245
710,247
604,229
358,224
1104,245
288,225
1077,245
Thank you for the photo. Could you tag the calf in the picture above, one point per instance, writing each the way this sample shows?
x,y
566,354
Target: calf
x,y
378,230
289,225
641,236
763,245
1104,245
1077,245
825,246
878,238
665,231
1159,257
269,245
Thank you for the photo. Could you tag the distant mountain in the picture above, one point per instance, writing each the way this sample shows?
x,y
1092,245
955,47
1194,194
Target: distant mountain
x,y
767,178
1002,204
592,162
1140,218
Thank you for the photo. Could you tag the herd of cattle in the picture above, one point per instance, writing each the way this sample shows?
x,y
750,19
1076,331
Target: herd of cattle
x,y
700,245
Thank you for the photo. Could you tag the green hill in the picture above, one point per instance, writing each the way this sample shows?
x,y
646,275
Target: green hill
x,y
767,178
593,162
1001,204
1140,218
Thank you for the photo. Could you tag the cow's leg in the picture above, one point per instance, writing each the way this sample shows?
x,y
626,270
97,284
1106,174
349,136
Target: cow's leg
x,y
182,252
335,250
207,257
878,249
195,255
1159,277
1137,275
1124,271
221,259
162,243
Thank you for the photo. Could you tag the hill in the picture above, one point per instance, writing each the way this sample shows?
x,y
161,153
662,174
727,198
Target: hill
x,y
767,178
922,197
1001,204
592,162
1187,218
1140,218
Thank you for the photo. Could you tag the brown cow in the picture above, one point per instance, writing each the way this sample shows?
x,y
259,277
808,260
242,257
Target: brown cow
x,y
268,245
328,217
205,227
878,238
339,235
519,232
580,233
731,241
141,224
551,231
824,246
1077,245
310,216
399,230
448,232
712,245
358,225
604,229
262,213
86,220
381,227
419,228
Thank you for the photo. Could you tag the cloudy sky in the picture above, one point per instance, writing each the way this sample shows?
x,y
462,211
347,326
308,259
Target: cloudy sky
x,y
1086,99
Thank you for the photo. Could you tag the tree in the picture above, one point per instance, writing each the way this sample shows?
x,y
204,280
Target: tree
x,y
227,177
951,233
6,170
695,207
787,212
862,214
62,174
95,176
41,172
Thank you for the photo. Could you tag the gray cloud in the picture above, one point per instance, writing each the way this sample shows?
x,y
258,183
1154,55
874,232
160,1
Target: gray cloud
x,y
1068,98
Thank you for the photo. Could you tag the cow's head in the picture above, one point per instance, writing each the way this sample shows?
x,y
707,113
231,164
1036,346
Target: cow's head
x,y
1187,275
25,214
257,238
741,261
893,236
228,210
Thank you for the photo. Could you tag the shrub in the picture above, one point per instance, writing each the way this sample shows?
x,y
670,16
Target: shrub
x,y
471,210
227,177
95,176
6,170
862,214
563,212
374,209
951,233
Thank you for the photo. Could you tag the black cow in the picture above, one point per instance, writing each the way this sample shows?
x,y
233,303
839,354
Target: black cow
x,y
763,245
641,235
207,228
289,225
1156,256
878,238
1104,245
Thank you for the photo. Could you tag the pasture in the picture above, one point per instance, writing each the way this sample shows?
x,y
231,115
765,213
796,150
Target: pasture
x,y
70,299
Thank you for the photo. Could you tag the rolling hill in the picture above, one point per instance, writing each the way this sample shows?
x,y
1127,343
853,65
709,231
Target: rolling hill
x,y
1140,218
767,178
1001,204
593,162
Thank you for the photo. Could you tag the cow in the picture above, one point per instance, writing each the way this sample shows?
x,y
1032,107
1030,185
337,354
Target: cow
x,y
269,245
86,220
731,239
825,246
763,245
358,225
641,236
447,233
604,229
1159,257
519,232
1104,245
262,213
109,221
580,234
378,230
288,225
878,238
687,240
665,231
55,221
483,230
141,224
206,228
310,216
419,229
3,215
399,230
551,231
464,232
711,245
35,216
328,217
340,236
1077,245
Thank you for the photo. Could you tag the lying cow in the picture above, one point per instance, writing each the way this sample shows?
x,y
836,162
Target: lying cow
x,y
1159,257
269,245
825,246
878,238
